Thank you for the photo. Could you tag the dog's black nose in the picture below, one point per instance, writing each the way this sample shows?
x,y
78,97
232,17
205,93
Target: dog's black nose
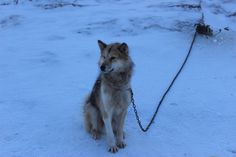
x,y
102,68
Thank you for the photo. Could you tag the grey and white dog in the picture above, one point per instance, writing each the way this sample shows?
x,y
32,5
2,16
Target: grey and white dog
x,y
107,104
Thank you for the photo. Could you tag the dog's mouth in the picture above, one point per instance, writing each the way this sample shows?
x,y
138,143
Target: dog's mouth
x,y
108,71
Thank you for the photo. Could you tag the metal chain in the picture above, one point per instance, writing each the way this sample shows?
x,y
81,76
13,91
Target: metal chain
x,y
164,95
145,129
137,116
206,32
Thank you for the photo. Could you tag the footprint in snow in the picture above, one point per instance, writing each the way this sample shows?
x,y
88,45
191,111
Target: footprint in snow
x,y
173,104
55,37
9,21
46,58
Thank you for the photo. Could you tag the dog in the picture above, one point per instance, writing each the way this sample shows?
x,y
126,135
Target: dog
x,y
106,106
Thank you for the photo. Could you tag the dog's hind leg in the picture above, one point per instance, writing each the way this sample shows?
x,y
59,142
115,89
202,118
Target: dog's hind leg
x,y
92,121
95,132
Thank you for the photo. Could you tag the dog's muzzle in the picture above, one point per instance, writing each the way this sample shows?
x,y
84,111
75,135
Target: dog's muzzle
x,y
103,69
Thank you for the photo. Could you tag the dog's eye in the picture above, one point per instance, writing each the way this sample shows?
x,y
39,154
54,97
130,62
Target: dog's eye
x,y
112,58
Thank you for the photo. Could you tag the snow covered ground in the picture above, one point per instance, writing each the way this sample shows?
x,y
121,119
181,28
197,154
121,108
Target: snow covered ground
x,y
48,64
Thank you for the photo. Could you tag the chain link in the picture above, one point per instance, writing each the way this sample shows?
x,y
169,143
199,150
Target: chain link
x,y
137,116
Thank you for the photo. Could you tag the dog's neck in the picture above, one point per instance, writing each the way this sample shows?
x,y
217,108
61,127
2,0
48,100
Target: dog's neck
x,y
118,80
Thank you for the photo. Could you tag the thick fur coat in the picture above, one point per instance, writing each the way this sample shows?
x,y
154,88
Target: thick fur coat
x,y
106,106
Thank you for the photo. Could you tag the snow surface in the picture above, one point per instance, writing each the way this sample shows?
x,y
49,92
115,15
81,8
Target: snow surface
x,y
48,64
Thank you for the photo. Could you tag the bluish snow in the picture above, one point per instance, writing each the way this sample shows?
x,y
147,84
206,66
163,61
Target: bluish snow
x,y
48,64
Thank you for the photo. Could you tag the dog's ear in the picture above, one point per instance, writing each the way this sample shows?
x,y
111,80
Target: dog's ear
x,y
101,45
124,48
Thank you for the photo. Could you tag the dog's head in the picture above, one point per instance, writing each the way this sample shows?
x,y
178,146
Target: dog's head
x,y
114,57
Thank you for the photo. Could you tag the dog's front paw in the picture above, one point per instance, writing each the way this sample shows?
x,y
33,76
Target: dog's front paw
x,y
113,149
121,144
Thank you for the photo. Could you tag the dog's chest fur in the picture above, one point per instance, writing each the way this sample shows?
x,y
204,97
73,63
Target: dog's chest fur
x,y
115,98
115,94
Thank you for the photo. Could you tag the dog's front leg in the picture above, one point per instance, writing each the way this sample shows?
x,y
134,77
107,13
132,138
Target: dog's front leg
x,y
120,133
109,133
